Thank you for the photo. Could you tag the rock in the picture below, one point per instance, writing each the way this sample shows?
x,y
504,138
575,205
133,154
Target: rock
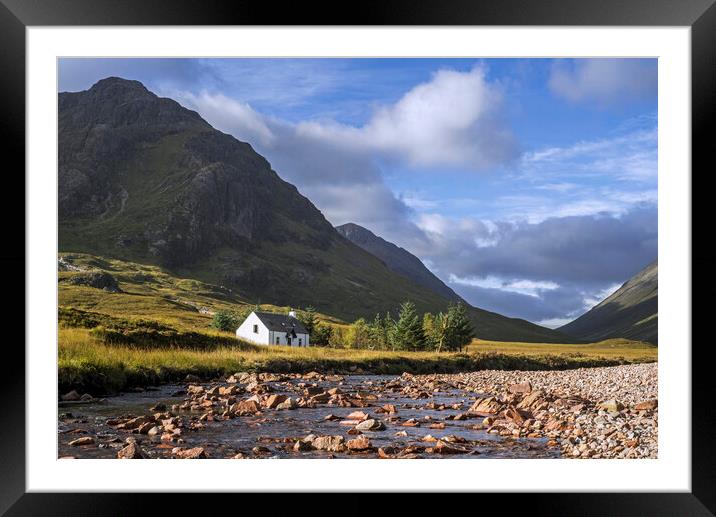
x,y
487,405
411,422
429,438
72,396
518,416
145,428
158,407
289,403
274,400
370,425
85,440
532,399
86,397
301,446
647,405
154,431
246,406
96,279
192,378
438,425
522,387
362,443
189,454
387,452
387,408
131,452
329,443
610,405
443,447
401,433
357,415
227,391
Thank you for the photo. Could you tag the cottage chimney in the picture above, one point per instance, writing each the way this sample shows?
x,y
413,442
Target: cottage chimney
x,y
292,313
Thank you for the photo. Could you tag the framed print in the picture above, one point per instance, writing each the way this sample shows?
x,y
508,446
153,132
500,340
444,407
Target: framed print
x,y
391,253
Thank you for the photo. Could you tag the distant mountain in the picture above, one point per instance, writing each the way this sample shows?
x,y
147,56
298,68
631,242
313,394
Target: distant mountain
x,y
488,324
630,312
143,179
397,259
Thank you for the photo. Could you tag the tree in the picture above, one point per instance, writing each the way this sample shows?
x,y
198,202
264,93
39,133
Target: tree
x,y
321,335
461,331
429,330
378,333
357,335
408,332
309,318
225,320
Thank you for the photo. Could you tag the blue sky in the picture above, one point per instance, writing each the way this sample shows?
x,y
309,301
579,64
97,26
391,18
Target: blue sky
x,y
528,185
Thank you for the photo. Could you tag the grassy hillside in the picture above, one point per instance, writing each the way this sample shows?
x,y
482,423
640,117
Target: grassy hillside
x,y
630,312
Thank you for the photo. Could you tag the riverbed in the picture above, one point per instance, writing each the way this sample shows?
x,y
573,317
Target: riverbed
x,y
429,420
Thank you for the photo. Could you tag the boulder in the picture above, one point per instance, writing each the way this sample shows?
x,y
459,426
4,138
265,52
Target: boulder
x,y
131,452
274,400
329,443
85,440
522,387
370,425
488,405
189,454
289,403
362,443
647,405
610,405
72,396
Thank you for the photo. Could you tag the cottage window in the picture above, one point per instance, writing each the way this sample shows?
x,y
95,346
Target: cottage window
x,y
256,329
300,341
278,340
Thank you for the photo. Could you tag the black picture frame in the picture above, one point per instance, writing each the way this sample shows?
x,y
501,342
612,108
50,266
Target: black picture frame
x,y
17,15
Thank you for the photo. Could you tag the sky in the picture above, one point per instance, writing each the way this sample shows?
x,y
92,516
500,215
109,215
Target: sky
x,y
529,186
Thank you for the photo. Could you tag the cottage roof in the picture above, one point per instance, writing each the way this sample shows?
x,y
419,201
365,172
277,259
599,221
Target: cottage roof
x,y
281,322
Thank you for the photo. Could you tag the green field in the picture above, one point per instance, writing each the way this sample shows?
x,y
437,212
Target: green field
x,y
158,330
89,364
631,351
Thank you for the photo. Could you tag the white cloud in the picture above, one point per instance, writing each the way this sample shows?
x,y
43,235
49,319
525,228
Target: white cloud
x,y
604,81
554,323
590,300
524,287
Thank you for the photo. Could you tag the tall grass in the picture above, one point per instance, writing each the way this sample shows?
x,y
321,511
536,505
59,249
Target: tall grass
x,y
87,363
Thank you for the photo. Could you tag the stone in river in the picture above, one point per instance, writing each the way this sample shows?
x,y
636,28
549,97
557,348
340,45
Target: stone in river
x,y
289,403
357,415
488,405
329,443
131,452
301,446
85,440
274,400
362,443
370,425
72,396
189,454
86,397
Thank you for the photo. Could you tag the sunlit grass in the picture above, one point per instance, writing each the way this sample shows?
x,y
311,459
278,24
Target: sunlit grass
x,y
85,362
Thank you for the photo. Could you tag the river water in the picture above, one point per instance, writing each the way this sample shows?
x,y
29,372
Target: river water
x,y
276,430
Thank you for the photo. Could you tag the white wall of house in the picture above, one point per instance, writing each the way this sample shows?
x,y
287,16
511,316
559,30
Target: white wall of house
x,y
253,330
279,338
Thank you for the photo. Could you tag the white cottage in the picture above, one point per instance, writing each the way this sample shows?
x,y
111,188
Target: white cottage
x,y
267,328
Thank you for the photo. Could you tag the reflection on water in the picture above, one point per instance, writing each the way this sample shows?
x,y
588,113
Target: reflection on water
x,y
277,430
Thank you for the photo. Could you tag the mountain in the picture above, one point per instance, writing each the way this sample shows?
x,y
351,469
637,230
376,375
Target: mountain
x,y
397,259
407,265
630,312
143,179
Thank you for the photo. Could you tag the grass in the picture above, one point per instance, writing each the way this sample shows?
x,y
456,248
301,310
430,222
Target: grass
x,y
87,363
619,349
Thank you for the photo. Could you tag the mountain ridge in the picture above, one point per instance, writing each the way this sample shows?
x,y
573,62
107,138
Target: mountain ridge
x,y
629,312
142,178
